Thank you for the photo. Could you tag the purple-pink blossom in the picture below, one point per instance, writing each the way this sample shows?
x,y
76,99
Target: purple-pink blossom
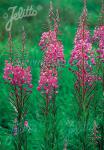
x,y
17,75
82,56
53,56
99,37
26,123
82,48
52,47
48,80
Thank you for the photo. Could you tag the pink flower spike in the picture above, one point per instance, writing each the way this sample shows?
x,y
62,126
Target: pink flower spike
x,y
16,75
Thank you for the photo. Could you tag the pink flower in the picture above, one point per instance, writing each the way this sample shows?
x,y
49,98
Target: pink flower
x,y
52,48
48,80
17,75
82,48
53,55
99,37
82,56
26,123
93,61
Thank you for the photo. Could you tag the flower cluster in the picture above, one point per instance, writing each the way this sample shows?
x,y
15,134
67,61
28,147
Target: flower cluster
x,y
82,55
17,75
82,49
53,55
99,36
87,80
48,80
52,47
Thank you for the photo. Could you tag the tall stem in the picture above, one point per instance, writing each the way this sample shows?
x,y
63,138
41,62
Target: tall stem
x,y
53,121
83,70
85,114
46,124
10,45
102,125
20,134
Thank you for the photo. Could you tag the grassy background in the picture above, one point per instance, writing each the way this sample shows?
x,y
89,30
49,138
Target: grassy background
x,y
70,11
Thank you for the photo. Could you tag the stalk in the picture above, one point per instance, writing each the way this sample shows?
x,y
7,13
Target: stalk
x,y
53,121
19,78
83,85
80,58
46,124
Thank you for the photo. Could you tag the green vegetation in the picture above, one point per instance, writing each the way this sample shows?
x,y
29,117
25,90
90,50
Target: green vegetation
x,y
70,11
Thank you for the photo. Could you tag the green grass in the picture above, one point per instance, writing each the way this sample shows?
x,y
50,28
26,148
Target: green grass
x,y
70,11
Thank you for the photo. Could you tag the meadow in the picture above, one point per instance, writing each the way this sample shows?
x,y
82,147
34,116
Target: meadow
x,y
68,133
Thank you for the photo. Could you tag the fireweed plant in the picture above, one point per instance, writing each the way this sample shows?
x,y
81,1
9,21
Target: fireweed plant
x,y
18,75
48,83
82,62
98,40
